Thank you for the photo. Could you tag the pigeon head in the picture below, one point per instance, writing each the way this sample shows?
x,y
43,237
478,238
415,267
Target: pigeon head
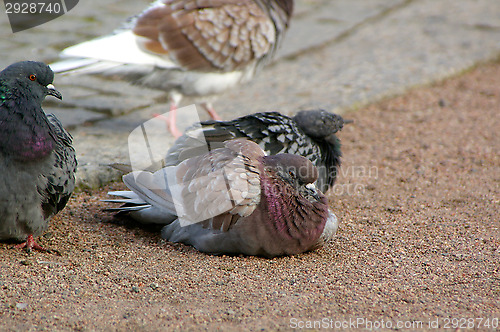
x,y
25,133
319,123
34,76
295,170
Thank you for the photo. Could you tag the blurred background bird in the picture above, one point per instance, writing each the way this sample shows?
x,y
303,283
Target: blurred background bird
x,y
196,48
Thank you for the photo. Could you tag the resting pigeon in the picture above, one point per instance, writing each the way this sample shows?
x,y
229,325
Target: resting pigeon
x,y
37,161
188,47
234,200
309,133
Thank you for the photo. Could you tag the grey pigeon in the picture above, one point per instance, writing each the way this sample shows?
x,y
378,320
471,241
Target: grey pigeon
x,y
196,48
234,200
311,134
37,161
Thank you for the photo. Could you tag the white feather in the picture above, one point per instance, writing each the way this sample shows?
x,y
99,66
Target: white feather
x,y
120,48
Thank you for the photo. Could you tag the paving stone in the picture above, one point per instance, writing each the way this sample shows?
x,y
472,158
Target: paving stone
x,y
329,20
73,117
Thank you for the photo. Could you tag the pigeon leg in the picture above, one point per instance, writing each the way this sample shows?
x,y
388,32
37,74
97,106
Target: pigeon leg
x,y
170,120
30,244
211,111
172,117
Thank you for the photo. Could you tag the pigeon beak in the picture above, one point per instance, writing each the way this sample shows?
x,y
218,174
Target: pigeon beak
x,y
53,92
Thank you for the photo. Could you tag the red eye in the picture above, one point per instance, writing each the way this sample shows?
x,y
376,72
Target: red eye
x,y
33,77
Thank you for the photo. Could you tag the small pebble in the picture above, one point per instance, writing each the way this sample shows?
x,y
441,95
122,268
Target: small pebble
x,y
21,306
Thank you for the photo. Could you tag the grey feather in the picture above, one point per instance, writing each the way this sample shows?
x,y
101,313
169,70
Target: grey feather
x,y
37,160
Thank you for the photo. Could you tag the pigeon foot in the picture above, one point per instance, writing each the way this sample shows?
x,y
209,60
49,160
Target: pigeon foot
x,y
30,244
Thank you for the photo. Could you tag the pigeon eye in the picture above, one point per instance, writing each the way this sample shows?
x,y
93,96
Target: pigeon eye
x,y
33,77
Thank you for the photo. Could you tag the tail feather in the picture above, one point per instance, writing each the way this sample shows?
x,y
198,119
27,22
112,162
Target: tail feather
x,y
125,208
126,201
125,194
107,52
152,188
130,200
138,209
71,64
124,168
82,66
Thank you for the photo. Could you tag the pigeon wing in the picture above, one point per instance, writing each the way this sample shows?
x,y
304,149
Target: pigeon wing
x,y
204,35
217,187
61,179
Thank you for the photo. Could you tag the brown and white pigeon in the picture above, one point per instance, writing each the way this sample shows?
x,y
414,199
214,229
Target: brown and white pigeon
x,y
234,200
37,160
187,47
310,133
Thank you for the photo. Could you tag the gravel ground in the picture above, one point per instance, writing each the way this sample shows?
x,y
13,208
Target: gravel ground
x,y
418,245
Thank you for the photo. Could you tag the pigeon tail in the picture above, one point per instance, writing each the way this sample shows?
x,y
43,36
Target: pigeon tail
x,y
152,187
139,209
114,50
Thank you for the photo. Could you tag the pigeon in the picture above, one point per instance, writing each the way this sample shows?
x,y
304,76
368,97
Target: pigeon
x,y
310,133
37,160
234,200
196,48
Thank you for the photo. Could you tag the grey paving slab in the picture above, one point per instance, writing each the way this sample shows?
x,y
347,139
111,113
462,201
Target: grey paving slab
x,y
415,44
327,20
336,55
74,117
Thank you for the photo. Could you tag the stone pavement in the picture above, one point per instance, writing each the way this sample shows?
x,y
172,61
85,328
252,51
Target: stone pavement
x,y
338,54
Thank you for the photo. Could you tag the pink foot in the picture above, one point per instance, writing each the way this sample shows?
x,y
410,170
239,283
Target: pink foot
x,y
30,244
211,111
172,128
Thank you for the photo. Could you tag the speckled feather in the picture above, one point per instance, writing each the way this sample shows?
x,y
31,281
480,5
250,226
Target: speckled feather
x,y
187,47
209,35
309,133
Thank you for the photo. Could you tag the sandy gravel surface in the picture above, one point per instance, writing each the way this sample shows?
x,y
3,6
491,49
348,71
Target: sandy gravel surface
x,y
419,240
